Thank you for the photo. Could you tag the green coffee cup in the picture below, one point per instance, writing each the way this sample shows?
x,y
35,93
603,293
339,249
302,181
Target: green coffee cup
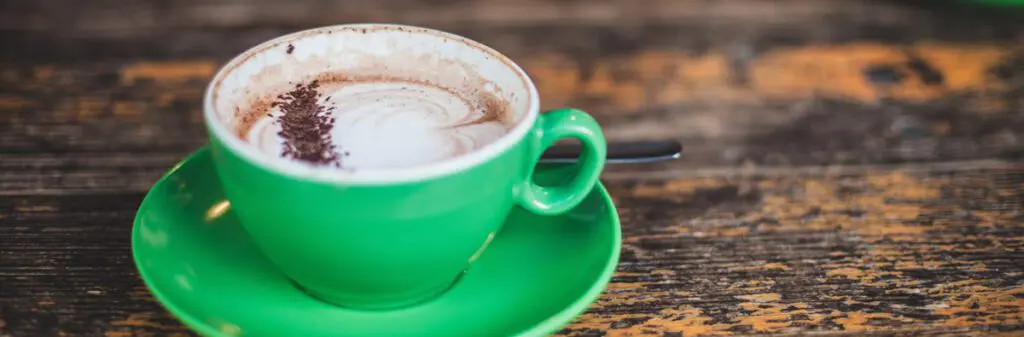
x,y
387,237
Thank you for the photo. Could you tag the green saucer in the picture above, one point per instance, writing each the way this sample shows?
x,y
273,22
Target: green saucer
x,y
537,275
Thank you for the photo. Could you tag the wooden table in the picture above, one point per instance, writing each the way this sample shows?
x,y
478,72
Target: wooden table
x,y
852,167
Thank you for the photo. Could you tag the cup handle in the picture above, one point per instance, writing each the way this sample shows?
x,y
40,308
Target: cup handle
x,y
552,126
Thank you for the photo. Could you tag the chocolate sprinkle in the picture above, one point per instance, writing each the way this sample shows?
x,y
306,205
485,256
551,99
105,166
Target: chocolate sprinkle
x,y
306,127
290,49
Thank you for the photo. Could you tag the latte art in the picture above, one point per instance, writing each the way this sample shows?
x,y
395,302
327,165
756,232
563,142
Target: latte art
x,y
391,124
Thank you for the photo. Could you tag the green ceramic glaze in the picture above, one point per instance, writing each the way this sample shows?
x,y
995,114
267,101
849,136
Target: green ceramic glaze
x,y
389,238
392,245
538,274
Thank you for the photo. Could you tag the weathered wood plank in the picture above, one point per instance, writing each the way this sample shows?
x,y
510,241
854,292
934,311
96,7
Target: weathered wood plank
x,y
113,18
788,106
872,252
62,30
119,19
911,252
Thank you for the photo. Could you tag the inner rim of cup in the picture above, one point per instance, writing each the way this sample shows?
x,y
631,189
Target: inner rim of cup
x,y
261,73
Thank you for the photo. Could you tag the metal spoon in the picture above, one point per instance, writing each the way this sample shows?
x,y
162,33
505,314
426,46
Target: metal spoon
x,y
619,152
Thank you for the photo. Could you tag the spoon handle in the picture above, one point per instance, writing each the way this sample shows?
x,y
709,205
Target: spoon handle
x,y
619,152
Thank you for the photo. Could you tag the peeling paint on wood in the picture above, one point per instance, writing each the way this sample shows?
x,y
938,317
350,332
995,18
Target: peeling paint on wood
x,y
875,252
167,71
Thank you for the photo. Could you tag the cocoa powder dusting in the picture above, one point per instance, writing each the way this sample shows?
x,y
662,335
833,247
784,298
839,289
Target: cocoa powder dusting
x,y
306,126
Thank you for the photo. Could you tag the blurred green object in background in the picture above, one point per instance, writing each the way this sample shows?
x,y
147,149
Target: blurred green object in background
x,y
1001,2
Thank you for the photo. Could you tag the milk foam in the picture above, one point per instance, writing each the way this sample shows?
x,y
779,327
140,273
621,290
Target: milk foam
x,y
393,124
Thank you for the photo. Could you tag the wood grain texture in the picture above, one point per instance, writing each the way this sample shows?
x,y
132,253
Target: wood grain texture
x,y
885,251
852,167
